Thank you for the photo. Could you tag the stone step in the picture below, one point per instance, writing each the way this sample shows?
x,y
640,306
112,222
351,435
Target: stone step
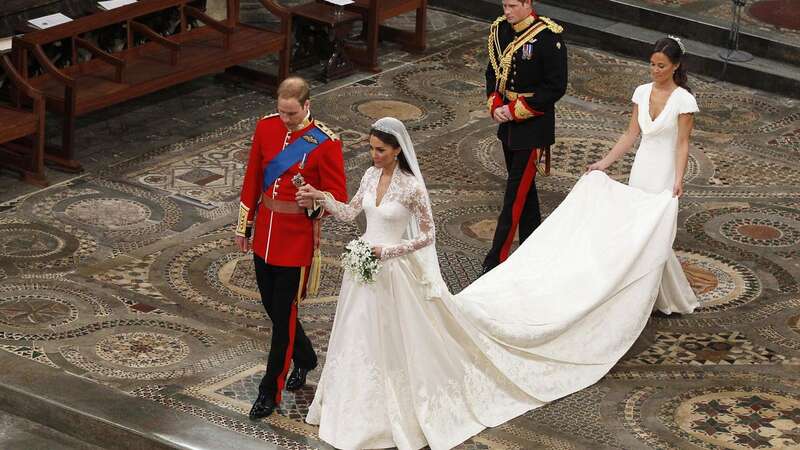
x,y
19,433
98,415
636,41
711,31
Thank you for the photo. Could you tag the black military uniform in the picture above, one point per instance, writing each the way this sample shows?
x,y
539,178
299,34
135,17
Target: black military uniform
x,y
527,71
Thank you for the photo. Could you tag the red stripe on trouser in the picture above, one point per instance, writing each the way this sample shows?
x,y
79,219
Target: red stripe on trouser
x,y
519,202
287,360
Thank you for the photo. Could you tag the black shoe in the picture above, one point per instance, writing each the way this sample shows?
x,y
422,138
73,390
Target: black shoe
x,y
486,269
297,379
262,407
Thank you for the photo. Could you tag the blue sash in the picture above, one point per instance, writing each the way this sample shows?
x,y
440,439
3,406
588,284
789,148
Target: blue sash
x,y
293,154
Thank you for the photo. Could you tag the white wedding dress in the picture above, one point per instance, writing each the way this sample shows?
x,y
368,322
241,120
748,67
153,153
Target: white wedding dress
x,y
409,364
654,171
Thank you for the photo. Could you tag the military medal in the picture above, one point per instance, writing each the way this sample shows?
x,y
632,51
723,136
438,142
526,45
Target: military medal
x,y
527,51
298,179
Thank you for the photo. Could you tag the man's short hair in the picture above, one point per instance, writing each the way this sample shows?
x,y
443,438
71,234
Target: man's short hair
x,y
296,88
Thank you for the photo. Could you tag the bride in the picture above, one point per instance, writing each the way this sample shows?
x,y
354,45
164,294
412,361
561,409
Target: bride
x,y
410,364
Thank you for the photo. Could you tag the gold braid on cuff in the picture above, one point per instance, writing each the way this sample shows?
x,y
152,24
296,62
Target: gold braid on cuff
x,y
242,224
521,112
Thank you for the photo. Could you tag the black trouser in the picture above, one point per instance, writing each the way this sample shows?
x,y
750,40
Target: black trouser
x,y
516,162
279,291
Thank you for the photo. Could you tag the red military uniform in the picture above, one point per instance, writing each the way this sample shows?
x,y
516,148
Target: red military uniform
x,y
279,238
284,236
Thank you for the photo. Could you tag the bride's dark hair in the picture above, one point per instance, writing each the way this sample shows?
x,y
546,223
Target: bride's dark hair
x,y
673,51
391,141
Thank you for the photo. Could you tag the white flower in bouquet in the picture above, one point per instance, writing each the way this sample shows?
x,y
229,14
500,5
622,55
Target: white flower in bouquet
x,y
359,260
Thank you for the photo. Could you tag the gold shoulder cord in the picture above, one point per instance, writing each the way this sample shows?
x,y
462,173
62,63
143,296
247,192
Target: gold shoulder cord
x,y
493,45
508,54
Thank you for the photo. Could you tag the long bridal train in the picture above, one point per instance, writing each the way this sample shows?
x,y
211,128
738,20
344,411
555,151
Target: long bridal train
x,y
408,371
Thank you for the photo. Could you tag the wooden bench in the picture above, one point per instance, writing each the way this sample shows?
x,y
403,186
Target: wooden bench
x,y
22,130
161,61
376,13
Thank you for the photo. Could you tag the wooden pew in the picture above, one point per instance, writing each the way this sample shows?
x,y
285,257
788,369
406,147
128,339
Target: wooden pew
x,y
22,129
162,61
376,13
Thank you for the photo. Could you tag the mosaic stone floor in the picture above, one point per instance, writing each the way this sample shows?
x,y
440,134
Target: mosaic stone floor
x,y
776,18
128,274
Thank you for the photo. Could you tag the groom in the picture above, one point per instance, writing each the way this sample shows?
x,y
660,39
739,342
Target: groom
x,y
289,149
525,77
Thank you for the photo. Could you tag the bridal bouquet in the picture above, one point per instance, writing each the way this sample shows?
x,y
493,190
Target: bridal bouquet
x,y
359,260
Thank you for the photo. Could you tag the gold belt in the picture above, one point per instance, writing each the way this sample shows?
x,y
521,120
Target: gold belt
x,y
511,95
282,206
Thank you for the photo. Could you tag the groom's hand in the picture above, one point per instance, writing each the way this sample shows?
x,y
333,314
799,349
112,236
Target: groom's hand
x,y
502,114
306,194
243,243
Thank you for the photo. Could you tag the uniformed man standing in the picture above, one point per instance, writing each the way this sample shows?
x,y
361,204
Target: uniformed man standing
x,y
289,149
525,77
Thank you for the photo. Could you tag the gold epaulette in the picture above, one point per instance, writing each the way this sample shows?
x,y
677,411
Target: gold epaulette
x,y
269,115
552,25
324,128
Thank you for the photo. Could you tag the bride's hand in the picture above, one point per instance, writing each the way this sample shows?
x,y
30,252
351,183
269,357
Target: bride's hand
x,y
376,251
306,194
677,189
599,165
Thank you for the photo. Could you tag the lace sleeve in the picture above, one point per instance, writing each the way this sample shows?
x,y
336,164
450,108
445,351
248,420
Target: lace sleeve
x,y
417,202
347,212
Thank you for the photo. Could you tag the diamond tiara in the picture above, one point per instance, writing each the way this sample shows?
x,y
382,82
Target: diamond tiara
x,y
680,43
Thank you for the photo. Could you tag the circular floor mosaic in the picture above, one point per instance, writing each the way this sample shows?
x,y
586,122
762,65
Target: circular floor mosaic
x,y
236,275
575,153
735,419
45,310
731,112
376,109
481,229
780,13
142,349
489,152
207,258
109,213
31,310
27,242
607,84
719,284
761,232
794,324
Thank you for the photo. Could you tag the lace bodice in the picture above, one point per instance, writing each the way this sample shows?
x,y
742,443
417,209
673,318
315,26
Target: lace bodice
x,y
405,199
